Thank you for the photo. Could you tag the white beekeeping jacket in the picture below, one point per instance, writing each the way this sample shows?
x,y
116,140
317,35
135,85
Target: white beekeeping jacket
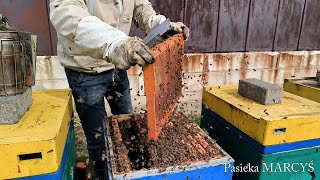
x,y
86,28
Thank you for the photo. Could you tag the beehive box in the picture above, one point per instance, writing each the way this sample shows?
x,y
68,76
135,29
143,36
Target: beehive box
x,y
183,151
66,169
35,145
210,115
295,119
263,166
306,87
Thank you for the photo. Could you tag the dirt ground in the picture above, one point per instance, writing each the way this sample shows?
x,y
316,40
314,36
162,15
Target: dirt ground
x,y
180,143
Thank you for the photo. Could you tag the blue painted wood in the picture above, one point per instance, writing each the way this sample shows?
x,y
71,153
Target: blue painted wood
x,y
220,172
253,143
59,174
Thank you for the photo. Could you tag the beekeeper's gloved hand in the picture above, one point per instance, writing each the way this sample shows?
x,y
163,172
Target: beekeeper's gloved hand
x,y
179,27
127,52
176,27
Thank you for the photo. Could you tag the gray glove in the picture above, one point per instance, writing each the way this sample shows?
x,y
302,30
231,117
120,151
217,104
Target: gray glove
x,y
179,27
128,52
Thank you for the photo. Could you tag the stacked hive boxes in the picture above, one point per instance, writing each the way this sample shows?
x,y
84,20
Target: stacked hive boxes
x,y
267,142
41,145
306,87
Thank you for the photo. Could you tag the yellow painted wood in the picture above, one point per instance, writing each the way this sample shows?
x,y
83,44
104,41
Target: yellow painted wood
x,y
299,116
43,129
306,88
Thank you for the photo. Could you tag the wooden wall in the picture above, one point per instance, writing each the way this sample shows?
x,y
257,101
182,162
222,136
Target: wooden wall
x,y
216,25
247,25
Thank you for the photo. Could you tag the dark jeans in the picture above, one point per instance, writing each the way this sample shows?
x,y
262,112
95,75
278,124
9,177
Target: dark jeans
x,y
89,91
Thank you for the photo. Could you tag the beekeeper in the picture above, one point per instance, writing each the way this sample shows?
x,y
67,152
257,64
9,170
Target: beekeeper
x,y
95,49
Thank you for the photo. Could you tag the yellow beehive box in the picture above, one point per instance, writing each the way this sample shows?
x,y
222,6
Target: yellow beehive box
x,y
296,119
35,145
306,87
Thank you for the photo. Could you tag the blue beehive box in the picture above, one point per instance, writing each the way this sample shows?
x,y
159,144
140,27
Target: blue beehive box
x,y
67,165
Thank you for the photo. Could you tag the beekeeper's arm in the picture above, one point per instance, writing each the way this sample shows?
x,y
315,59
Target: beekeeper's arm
x,y
146,19
97,39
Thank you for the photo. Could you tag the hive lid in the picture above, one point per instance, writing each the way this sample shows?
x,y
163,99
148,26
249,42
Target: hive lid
x,y
305,87
308,82
295,119
49,110
292,106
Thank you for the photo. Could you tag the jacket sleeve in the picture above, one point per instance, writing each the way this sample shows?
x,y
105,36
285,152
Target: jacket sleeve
x,y
73,22
145,17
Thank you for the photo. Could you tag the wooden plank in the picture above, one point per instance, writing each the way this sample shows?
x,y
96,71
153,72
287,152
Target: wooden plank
x,y
172,9
53,33
31,16
233,18
289,25
310,34
202,18
54,39
262,25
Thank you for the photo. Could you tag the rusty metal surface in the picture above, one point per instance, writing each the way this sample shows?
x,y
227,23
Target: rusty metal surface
x,y
163,83
29,49
12,64
31,16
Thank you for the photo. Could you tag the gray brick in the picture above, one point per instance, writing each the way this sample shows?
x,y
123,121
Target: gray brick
x,y
12,108
260,91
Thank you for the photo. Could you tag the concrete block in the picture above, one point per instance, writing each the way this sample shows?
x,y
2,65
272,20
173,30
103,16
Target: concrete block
x,y
260,91
12,108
